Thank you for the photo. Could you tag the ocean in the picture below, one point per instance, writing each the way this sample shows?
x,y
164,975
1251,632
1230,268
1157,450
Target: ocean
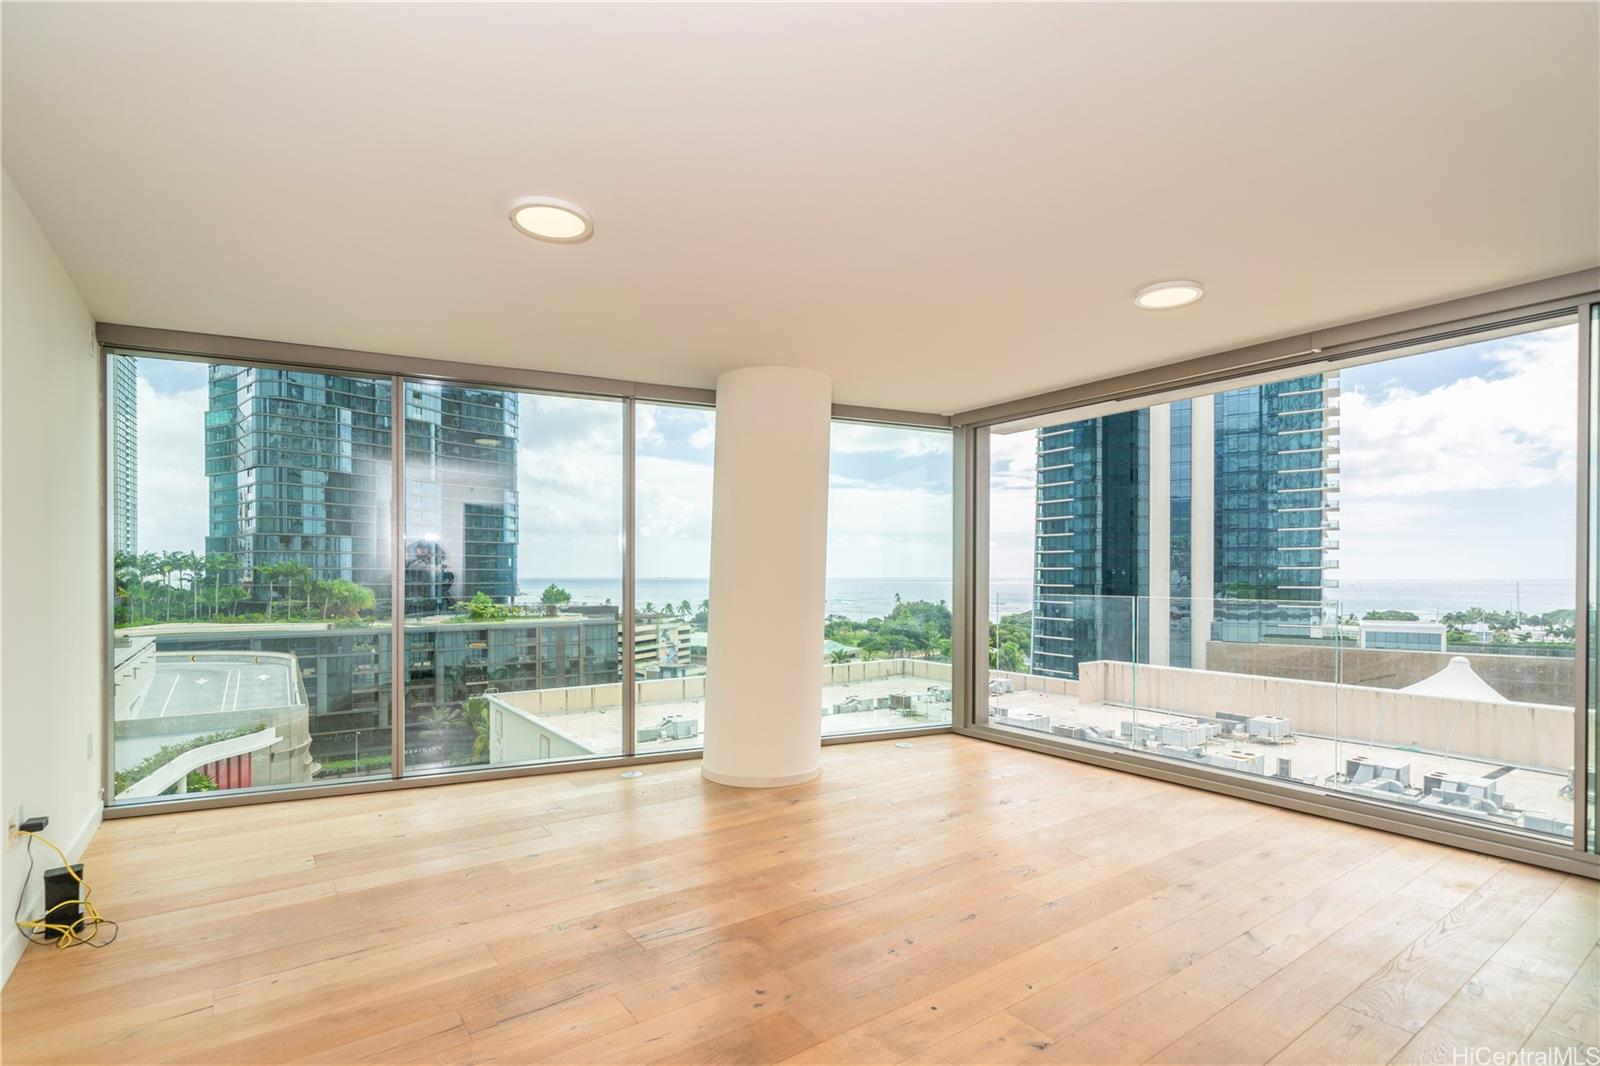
x,y
862,598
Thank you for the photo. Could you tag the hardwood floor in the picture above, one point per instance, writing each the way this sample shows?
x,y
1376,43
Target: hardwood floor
x,y
952,902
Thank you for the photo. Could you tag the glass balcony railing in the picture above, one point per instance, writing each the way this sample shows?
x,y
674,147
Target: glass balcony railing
x,y
1395,709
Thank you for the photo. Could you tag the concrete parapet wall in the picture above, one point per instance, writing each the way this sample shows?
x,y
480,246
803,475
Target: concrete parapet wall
x,y
877,669
1523,734
1520,678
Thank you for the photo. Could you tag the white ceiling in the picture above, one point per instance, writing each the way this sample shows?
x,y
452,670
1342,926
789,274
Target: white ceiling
x,y
940,206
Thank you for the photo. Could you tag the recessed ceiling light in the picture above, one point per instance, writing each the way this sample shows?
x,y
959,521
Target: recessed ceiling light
x,y
549,219
1165,295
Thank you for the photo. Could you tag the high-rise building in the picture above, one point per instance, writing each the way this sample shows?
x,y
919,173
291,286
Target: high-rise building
x,y
1161,529
125,453
299,470
461,493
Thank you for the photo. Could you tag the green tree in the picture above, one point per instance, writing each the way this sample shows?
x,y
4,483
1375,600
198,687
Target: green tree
x,y
483,609
149,564
554,595
344,599
284,574
217,564
478,718
171,563
1009,658
1390,616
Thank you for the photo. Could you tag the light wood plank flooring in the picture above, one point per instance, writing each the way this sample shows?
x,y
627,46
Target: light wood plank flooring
x,y
951,902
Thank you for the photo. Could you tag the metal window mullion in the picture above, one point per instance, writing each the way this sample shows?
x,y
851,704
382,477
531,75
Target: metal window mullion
x,y
108,549
1581,785
630,734
963,609
397,576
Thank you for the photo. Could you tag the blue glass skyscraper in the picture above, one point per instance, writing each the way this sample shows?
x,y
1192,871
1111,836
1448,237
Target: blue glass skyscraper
x,y
298,464
1161,529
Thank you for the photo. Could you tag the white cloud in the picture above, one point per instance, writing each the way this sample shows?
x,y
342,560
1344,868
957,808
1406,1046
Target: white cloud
x,y
673,501
879,531
1513,428
855,438
569,476
1012,459
1472,478
173,492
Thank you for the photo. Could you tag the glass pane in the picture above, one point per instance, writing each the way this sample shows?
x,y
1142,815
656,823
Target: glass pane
x,y
886,639
672,501
1360,581
513,575
250,523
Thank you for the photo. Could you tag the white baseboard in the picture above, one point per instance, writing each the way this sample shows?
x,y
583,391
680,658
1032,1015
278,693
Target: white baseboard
x,y
33,892
738,781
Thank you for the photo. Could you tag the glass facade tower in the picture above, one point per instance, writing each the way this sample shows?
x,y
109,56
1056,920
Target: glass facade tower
x,y
1093,514
298,465
125,454
1206,519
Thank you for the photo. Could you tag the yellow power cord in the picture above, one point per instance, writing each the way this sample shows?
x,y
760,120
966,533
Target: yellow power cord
x,y
82,930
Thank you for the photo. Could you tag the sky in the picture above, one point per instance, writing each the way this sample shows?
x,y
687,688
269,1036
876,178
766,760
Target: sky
x,y
889,489
1458,463
1455,463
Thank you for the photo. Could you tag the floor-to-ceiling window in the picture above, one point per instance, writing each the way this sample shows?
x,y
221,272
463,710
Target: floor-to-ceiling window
x,y
1358,578
673,449
292,610
250,526
886,637
512,559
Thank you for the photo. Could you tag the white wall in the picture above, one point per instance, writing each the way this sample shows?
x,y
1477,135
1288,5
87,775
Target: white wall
x,y
51,602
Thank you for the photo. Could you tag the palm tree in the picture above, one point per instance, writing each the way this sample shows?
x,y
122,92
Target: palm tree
x,y
216,564
126,573
649,607
191,570
171,562
685,609
149,565
287,573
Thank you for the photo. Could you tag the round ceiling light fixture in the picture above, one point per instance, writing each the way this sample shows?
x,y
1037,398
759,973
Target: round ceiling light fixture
x,y
545,218
1165,295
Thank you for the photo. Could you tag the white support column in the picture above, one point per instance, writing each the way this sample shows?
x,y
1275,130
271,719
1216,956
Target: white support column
x,y
1202,527
1156,610
769,540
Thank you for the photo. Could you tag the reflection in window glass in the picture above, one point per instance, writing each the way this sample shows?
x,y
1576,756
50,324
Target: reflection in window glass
x,y
513,577
672,607
1348,581
887,631
250,529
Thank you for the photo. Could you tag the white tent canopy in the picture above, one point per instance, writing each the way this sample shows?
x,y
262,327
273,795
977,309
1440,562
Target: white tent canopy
x,y
1456,681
